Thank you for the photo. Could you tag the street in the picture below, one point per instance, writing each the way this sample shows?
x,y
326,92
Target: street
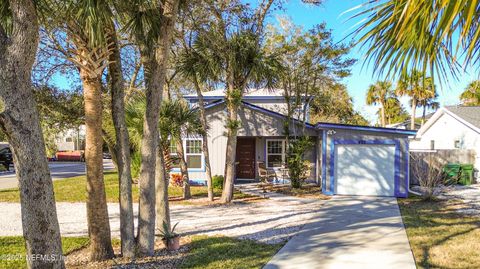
x,y
58,170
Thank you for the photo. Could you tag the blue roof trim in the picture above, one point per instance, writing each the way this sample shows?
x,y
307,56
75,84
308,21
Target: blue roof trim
x,y
221,97
323,125
273,113
216,103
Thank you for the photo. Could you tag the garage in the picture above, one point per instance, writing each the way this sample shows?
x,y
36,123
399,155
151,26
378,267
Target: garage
x,y
364,160
363,169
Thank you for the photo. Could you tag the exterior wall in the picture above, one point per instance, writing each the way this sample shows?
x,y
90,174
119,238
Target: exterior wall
x,y
340,134
444,132
254,124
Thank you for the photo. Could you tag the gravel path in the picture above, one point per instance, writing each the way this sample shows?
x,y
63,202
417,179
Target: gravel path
x,y
270,221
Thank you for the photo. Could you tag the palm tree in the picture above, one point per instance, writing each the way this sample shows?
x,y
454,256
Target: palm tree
x,y
471,95
177,120
19,28
394,111
428,102
431,35
416,86
151,24
378,93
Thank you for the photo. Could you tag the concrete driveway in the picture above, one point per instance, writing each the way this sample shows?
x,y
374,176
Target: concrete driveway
x,y
58,170
350,232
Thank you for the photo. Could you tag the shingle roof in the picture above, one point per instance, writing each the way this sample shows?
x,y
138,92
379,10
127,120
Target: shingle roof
x,y
470,114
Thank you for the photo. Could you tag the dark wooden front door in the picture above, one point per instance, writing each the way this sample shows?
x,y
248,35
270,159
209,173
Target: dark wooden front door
x,y
245,158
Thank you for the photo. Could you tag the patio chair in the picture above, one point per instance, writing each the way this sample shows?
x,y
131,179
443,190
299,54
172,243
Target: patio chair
x,y
265,173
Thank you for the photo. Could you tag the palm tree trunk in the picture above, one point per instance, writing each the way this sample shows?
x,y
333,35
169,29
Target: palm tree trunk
x,y
382,112
122,148
423,114
230,157
97,212
414,109
161,190
183,169
155,67
20,122
206,154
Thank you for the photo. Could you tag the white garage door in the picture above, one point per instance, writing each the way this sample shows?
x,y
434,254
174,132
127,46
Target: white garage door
x,y
365,169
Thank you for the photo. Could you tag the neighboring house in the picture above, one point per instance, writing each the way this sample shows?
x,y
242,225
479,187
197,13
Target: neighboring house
x,y
451,127
346,159
71,139
406,124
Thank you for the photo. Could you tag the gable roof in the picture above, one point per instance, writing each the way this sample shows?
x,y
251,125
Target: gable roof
x,y
250,94
263,110
469,116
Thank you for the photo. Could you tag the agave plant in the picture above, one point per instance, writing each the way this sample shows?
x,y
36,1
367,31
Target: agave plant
x,y
166,233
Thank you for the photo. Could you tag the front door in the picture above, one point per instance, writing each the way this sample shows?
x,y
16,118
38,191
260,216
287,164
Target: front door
x,y
245,158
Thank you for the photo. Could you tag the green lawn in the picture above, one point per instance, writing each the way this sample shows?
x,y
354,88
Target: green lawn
x,y
74,190
204,252
226,252
15,245
439,236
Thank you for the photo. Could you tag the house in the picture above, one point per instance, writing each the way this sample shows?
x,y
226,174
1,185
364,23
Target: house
x,y
71,139
451,127
346,159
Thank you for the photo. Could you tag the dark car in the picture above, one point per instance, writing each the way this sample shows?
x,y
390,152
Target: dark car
x,y
6,157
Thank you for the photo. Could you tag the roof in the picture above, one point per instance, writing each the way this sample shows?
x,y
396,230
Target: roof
x,y
326,125
260,93
470,114
467,115
263,110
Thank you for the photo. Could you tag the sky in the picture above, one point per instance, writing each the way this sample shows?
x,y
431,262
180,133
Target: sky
x,y
331,13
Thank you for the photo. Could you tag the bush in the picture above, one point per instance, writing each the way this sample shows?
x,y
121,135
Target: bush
x,y
428,170
217,182
297,166
176,180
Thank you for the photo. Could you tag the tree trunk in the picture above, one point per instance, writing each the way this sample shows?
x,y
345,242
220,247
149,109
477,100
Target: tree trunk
x,y
155,67
161,190
20,122
183,169
382,112
203,121
122,148
97,212
230,158
414,109
423,114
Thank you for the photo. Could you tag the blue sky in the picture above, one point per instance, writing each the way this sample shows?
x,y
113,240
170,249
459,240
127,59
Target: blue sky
x,y
331,13
357,84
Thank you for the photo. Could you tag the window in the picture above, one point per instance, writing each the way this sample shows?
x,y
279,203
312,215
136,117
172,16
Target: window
x,y
275,152
193,153
456,144
173,154
432,144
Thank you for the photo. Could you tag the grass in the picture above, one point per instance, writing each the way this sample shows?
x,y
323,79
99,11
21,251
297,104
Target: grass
x,y
225,252
202,252
13,248
439,236
74,190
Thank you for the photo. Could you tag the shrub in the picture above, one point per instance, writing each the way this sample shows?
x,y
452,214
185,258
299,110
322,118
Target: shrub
x,y
297,166
429,173
176,180
217,182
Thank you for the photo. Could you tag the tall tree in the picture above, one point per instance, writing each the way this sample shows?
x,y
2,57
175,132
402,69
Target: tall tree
x,y
394,111
152,26
19,120
428,101
416,86
471,95
378,93
122,143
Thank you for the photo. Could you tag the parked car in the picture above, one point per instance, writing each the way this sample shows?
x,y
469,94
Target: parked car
x,y
6,157
107,155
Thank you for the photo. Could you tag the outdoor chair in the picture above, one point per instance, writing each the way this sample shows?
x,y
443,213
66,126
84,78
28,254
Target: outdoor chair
x,y
265,173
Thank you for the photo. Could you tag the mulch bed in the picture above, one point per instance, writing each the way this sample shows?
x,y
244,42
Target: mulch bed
x,y
161,259
306,191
